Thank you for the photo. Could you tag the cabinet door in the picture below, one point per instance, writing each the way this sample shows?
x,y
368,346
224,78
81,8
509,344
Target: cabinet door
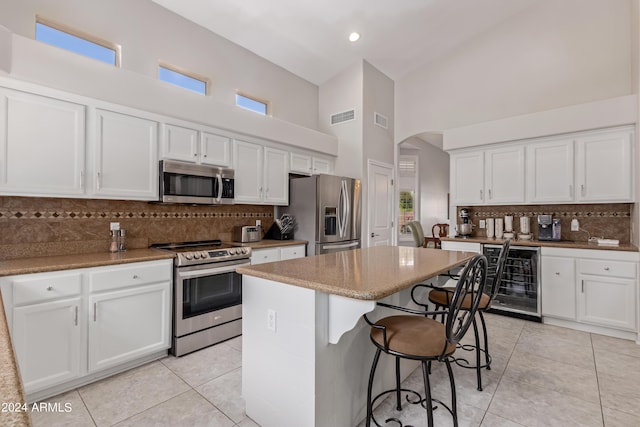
x,y
550,172
179,143
607,301
558,287
215,149
126,157
128,324
605,167
321,166
48,342
42,145
248,161
301,163
467,178
504,175
276,176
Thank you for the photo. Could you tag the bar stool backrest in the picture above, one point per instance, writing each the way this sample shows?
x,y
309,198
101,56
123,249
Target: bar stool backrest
x,y
470,286
494,286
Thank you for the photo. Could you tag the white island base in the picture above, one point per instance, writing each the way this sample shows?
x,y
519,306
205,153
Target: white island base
x,y
313,369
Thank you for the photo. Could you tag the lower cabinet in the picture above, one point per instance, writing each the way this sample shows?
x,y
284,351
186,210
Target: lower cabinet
x,y
280,253
591,287
68,325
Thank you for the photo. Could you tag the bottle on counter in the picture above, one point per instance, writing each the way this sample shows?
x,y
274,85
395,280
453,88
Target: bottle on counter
x,y
115,237
122,240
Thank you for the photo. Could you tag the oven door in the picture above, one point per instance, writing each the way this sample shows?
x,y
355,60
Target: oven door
x,y
207,295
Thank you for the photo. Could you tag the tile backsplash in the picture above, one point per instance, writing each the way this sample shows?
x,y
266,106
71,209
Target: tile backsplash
x,y
610,220
33,226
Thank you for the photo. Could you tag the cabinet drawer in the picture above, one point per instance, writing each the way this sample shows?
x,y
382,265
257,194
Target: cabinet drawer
x,y
607,268
104,279
30,290
291,252
261,256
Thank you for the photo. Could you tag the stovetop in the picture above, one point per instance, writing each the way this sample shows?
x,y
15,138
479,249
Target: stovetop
x,y
204,252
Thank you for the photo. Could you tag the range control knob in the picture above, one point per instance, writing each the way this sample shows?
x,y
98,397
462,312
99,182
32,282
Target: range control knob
x,y
204,255
188,256
245,250
196,255
233,251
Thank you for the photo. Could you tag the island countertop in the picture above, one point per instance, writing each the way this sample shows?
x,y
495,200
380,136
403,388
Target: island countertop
x,y
366,274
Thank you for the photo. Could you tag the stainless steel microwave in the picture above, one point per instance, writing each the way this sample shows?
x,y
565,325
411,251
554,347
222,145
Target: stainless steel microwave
x,y
182,182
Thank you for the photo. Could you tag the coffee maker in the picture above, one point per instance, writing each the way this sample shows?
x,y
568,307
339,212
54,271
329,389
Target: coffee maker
x,y
465,228
548,228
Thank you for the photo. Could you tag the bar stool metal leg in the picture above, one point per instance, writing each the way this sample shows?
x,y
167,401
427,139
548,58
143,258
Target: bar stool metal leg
x,y
376,358
427,393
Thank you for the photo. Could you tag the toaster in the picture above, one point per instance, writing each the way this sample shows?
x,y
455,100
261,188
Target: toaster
x,y
247,233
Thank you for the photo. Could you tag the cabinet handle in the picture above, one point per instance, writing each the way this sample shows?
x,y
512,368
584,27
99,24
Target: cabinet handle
x,y
95,310
582,282
557,273
195,154
606,269
49,288
81,180
135,276
98,181
75,321
480,194
582,189
490,197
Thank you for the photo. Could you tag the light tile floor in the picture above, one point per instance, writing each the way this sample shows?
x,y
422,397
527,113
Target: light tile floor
x,y
541,376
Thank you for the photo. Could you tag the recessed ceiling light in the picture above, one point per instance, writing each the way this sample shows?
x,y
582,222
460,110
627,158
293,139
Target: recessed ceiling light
x,y
353,37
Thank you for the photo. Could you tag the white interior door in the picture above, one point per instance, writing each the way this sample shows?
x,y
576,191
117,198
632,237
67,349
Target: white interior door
x,y
380,203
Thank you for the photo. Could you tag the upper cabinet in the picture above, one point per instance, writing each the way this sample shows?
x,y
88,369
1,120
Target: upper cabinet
x,y
42,145
196,146
262,174
589,167
126,157
488,176
306,164
604,167
550,171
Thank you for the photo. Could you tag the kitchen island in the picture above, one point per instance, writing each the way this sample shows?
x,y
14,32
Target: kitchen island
x,y
306,350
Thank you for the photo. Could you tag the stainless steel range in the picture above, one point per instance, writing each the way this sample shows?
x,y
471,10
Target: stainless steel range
x,y
207,293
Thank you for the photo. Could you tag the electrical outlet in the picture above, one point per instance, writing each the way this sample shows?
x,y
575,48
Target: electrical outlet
x,y
483,223
271,320
258,223
575,225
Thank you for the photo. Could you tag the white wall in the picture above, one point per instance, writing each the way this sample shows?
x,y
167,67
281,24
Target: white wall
x,y
378,96
149,33
554,54
341,93
433,186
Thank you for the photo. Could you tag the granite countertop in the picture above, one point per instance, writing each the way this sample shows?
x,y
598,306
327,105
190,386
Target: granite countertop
x,y
568,244
68,262
268,243
11,390
366,274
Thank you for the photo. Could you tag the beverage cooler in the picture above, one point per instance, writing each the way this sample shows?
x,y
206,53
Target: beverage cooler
x,y
519,292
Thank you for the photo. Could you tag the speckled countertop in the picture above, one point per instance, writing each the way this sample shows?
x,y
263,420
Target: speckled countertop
x,y
537,243
68,262
367,274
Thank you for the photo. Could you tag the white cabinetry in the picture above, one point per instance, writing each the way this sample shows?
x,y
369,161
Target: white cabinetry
x,y
126,157
280,253
48,328
449,245
262,174
195,145
558,287
550,171
504,175
68,325
42,145
467,178
604,168
594,289
307,164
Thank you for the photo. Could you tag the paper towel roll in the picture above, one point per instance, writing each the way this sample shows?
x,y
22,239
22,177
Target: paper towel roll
x,y
524,225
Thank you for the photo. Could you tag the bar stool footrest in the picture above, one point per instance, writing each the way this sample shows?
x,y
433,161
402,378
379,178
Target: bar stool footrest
x,y
415,399
464,363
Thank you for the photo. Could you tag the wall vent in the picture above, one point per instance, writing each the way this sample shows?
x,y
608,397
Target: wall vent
x,y
381,120
345,116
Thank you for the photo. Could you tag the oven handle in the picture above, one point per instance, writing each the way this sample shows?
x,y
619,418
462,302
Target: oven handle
x,y
210,271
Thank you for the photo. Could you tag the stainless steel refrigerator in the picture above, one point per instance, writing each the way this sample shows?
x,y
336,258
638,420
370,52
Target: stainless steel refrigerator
x,y
327,212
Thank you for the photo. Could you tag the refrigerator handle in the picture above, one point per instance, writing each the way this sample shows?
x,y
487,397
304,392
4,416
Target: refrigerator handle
x,y
347,208
340,213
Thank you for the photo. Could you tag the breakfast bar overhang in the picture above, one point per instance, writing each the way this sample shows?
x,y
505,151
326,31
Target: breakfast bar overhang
x,y
306,351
